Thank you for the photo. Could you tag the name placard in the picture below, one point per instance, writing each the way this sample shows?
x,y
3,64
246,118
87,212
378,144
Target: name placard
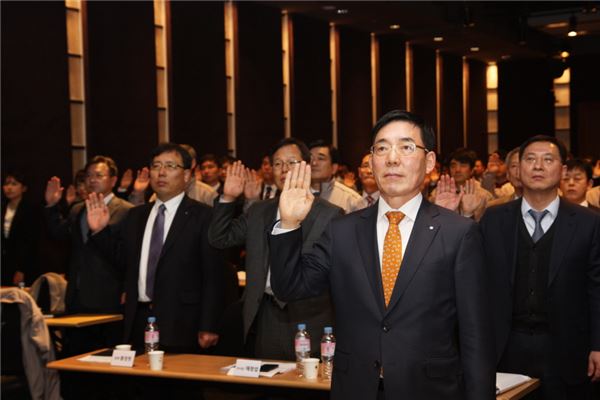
x,y
247,368
122,358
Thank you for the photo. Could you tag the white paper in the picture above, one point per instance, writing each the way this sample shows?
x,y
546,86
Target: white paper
x,y
247,368
96,359
281,368
506,381
123,358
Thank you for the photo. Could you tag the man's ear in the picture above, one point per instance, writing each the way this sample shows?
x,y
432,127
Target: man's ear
x,y
429,162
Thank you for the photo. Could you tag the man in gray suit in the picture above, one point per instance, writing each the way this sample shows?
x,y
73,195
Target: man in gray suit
x,y
94,284
269,323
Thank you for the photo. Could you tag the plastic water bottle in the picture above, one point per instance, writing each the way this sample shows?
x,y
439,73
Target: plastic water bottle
x,y
327,352
151,335
301,346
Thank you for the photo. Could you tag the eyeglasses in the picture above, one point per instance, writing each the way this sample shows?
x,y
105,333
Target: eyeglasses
x,y
95,176
404,148
169,166
289,164
546,160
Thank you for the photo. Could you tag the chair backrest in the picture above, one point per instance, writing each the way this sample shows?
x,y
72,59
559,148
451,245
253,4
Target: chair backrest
x,y
12,355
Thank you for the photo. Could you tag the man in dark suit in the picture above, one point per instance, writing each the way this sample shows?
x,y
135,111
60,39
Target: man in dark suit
x,y
94,284
269,323
406,277
171,270
544,256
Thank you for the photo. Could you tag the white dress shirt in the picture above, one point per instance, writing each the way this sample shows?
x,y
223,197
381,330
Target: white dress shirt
x,y
409,209
547,221
171,207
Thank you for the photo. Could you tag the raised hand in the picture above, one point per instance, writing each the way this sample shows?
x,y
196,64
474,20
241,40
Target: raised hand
x,y
296,199
253,185
126,179
142,180
446,195
70,195
471,202
97,212
53,191
234,183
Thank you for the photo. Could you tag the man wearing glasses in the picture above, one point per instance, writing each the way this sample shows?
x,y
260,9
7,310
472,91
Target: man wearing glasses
x,y
172,272
406,277
270,323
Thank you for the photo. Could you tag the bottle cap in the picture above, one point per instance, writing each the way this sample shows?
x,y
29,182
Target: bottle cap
x,y
151,320
301,327
328,330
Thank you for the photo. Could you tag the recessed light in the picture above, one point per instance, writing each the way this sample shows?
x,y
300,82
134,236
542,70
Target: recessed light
x,y
474,49
342,11
506,56
395,26
564,54
572,34
438,39
328,8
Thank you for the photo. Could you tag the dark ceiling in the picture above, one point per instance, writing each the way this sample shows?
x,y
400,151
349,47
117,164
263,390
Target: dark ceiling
x,y
500,30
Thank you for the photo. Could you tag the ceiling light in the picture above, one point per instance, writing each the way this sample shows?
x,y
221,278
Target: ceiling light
x,y
572,26
474,49
438,39
564,54
328,8
506,57
342,11
395,26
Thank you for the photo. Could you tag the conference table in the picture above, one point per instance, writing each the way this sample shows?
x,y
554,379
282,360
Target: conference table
x,y
81,320
211,369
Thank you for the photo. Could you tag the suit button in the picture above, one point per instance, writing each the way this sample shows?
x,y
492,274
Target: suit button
x,y
385,328
377,365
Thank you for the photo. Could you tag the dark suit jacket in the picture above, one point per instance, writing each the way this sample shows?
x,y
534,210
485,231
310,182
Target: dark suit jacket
x,y
94,284
573,297
20,250
188,285
252,229
435,338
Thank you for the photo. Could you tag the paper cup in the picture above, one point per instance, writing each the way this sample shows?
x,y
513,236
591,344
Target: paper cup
x,y
310,367
123,347
156,359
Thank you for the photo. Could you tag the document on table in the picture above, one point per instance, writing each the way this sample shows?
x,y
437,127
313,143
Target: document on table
x,y
281,368
506,381
100,357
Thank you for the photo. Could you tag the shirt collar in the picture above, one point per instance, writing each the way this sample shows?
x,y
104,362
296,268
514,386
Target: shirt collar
x,y
108,198
170,204
552,207
410,209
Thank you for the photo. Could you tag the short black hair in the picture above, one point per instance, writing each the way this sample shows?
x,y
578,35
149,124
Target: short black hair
x,y
562,150
226,159
190,150
427,132
110,163
501,154
17,176
464,156
209,157
578,163
334,153
186,158
304,151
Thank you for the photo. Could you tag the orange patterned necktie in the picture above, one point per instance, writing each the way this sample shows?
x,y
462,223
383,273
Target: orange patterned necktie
x,y
392,254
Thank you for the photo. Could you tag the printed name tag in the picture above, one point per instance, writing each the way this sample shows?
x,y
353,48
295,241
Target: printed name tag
x,y
122,358
248,368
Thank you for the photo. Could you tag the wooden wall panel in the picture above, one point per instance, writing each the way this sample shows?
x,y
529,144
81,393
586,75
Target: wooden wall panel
x,y
392,73
477,109
311,80
36,136
424,92
354,113
451,112
122,116
585,105
259,99
198,92
525,101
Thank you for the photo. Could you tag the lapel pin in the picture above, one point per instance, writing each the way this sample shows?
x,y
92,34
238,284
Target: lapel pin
x,y
430,227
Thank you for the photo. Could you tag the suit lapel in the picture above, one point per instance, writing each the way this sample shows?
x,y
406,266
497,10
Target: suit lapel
x,y
140,228
179,222
366,237
269,219
563,234
510,236
424,230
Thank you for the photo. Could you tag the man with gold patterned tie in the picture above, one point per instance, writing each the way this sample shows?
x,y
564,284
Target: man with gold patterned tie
x,y
407,279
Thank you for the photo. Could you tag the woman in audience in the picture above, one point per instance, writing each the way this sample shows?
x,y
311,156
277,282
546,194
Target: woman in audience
x,y
20,229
